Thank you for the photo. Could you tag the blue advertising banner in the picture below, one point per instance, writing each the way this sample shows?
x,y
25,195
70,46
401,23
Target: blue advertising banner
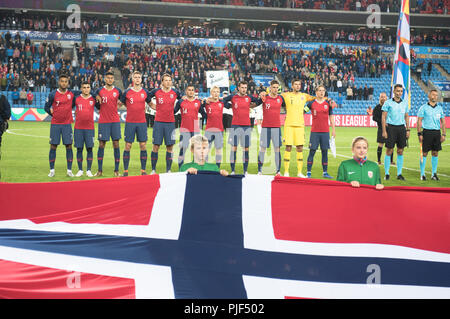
x,y
135,39
263,79
442,85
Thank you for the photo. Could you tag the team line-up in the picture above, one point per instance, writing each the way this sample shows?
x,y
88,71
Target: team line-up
x,y
390,114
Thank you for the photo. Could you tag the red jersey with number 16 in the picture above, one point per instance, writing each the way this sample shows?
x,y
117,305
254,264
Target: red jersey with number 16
x,y
165,104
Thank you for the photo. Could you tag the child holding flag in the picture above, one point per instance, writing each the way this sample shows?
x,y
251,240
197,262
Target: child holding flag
x,y
359,170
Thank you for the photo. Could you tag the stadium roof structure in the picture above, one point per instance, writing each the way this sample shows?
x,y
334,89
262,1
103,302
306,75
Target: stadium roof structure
x,y
230,13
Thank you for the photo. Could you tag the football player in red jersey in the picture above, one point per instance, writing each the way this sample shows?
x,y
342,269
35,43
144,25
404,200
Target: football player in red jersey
x,y
84,130
271,131
108,98
136,125
190,124
213,109
322,117
241,130
59,107
164,126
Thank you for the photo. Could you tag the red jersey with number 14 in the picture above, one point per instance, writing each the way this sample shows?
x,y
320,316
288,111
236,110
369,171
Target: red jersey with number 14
x,y
84,113
108,105
189,115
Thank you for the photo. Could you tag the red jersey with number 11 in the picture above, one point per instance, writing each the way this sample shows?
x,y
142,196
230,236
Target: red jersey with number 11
x,y
84,112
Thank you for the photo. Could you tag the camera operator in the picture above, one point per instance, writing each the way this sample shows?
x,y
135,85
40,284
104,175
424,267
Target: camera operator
x,y
5,114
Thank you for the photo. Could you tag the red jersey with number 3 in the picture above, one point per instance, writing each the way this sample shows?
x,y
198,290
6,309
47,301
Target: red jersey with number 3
x,y
135,104
320,115
84,112
108,105
271,111
214,116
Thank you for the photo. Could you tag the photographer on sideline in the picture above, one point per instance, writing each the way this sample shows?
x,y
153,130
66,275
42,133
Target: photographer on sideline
x,y
5,114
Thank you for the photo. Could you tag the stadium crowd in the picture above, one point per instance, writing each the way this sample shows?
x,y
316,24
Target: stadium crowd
x,y
419,6
239,31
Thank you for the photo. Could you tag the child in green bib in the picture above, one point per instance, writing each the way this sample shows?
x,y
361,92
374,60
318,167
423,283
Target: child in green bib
x,y
359,170
200,148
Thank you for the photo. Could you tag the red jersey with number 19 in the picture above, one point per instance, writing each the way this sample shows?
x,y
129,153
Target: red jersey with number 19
x,y
84,112
135,103
271,111
108,105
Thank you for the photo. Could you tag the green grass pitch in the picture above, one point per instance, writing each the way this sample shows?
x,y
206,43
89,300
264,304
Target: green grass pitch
x,y
26,145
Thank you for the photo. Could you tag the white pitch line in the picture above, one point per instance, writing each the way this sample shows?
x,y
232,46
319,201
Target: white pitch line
x,y
14,133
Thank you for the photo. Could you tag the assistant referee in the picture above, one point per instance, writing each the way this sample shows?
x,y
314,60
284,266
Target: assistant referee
x,y
395,125
431,118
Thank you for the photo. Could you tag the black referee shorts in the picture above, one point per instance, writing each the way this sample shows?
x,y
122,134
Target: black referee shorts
x,y
431,140
396,135
380,138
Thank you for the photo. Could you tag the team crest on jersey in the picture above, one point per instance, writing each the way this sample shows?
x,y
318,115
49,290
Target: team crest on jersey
x,y
69,96
246,99
196,104
325,106
91,102
142,95
114,94
370,174
278,100
171,96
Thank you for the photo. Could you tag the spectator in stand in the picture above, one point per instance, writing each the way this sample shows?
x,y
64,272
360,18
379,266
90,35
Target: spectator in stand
x,y
350,93
23,96
15,97
30,98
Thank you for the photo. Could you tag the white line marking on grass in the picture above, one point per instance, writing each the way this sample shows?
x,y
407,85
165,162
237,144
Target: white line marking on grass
x,y
14,133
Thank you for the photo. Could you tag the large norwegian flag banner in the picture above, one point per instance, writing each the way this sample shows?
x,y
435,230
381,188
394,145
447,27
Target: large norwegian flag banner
x,y
207,236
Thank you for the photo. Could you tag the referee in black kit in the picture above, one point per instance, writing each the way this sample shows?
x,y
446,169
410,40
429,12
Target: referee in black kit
x,y
376,116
